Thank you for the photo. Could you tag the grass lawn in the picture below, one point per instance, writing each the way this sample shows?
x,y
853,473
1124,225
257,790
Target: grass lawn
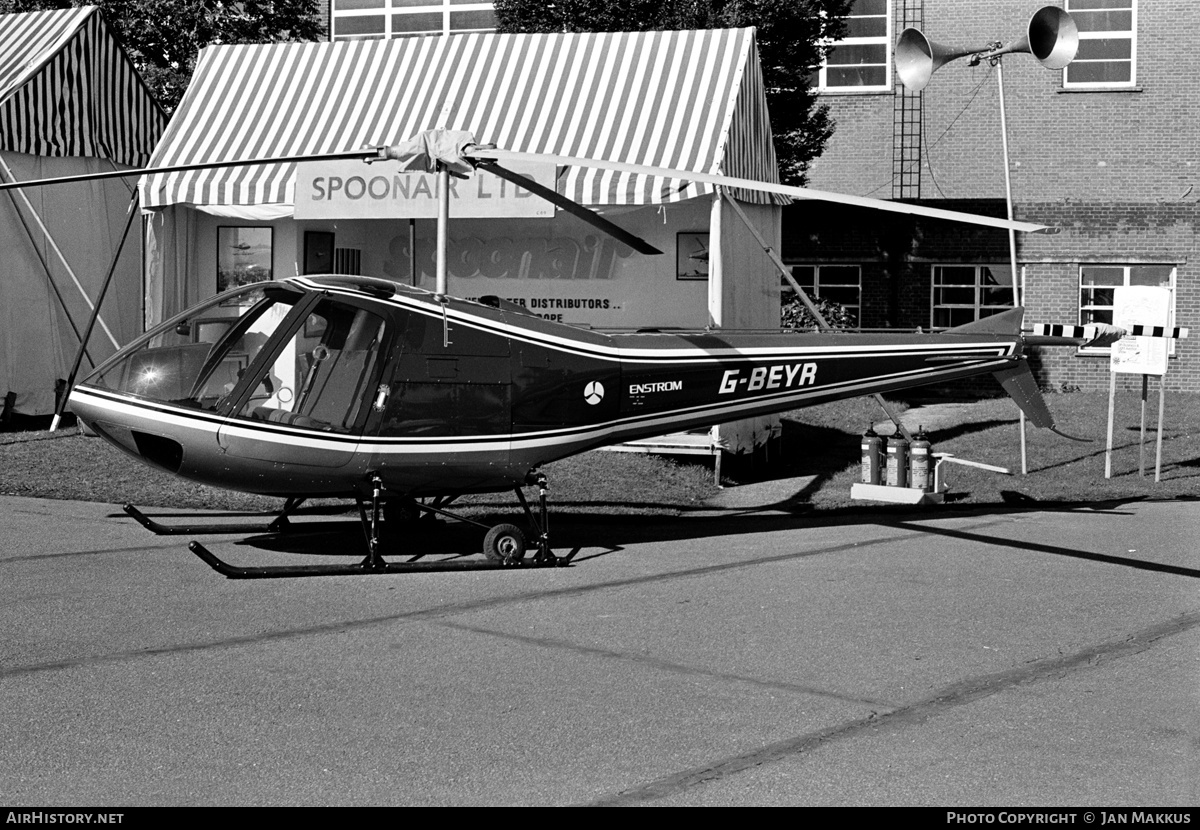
x,y
820,445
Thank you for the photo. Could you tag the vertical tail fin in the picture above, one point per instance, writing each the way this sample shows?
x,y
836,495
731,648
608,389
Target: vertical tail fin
x,y
1004,323
1022,387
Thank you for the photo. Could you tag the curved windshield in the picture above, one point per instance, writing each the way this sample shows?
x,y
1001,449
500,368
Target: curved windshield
x,y
197,359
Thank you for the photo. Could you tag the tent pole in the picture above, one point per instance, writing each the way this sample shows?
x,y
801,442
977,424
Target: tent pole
x,y
443,232
61,404
716,290
54,246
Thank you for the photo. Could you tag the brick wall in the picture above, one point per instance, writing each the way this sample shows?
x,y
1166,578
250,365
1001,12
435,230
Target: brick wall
x,y
1118,171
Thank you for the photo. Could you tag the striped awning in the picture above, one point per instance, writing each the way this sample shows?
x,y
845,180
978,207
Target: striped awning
x,y
68,89
690,100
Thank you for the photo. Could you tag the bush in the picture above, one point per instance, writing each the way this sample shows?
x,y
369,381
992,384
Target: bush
x,y
795,316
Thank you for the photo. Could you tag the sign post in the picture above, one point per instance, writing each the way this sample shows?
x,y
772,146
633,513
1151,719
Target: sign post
x,y
1138,307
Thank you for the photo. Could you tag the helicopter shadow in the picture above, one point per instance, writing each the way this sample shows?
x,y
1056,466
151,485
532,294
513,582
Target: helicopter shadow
x,y
582,537
346,538
778,497
589,530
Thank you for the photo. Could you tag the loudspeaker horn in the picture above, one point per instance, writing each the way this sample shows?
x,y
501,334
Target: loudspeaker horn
x,y
1051,36
918,57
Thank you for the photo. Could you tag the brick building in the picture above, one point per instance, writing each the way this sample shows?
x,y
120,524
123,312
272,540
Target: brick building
x,y
353,19
1106,150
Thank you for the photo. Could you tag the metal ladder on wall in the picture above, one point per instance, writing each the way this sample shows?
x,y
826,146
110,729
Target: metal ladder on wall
x,y
906,121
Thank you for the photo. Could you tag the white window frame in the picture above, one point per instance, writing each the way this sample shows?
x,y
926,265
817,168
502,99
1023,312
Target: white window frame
x,y
884,40
390,8
1080,15
1000,272
1089,312
856,307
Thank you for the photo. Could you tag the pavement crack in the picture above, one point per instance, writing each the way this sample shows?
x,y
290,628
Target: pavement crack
x,y
659,664
949,697
436,613
1057,550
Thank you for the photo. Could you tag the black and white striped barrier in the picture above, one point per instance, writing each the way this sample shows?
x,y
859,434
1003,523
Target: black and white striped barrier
x,y
1093,331
1177,333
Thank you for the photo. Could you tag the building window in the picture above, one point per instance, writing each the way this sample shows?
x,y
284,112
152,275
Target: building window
x,y
841,284
1096,285
347,261
861,61
1107,54
966,293
366,19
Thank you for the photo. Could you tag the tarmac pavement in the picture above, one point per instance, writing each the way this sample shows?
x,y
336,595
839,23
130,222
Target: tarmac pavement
x,y
991,658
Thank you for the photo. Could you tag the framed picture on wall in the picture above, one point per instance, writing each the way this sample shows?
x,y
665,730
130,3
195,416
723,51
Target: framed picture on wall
x,y
318,252
244,255
691,255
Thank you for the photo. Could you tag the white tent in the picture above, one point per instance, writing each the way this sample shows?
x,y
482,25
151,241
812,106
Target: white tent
x,y
71,103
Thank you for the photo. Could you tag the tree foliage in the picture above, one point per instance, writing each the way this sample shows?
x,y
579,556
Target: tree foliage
x,y
792,37
795,316
164,37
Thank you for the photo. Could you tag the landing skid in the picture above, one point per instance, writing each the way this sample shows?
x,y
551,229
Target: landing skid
x,y
278,525
364,568
504,546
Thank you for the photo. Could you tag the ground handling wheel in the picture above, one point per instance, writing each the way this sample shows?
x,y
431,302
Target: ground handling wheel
x,y
505,543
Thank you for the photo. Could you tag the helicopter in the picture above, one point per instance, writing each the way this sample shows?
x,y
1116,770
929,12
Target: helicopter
x,y
406,399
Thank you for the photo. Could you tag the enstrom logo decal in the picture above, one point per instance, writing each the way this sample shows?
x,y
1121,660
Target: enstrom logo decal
x,y
593,393
661,386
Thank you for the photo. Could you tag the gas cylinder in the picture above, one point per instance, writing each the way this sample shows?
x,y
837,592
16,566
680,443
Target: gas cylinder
x,y
897,460
920,465
872,445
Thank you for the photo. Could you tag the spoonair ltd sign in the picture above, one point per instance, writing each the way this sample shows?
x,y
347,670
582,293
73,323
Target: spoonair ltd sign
x,y
354,190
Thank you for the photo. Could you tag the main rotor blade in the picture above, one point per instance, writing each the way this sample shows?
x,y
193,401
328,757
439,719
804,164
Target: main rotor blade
x,y
372,154
480,153
571,206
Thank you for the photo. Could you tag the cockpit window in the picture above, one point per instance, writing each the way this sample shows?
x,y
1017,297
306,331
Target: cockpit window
x,y
198,359
321,378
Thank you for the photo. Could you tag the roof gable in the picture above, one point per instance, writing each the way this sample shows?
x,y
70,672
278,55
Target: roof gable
x,y
667,99
68,89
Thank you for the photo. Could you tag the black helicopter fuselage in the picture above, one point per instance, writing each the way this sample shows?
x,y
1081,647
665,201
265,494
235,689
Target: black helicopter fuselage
x,y
310,386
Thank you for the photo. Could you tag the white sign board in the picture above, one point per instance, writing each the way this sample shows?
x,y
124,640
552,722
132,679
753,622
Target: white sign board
x,y
354,190
1147,306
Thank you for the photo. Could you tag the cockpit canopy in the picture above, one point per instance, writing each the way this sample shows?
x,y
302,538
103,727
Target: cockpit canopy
x,y
269,351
